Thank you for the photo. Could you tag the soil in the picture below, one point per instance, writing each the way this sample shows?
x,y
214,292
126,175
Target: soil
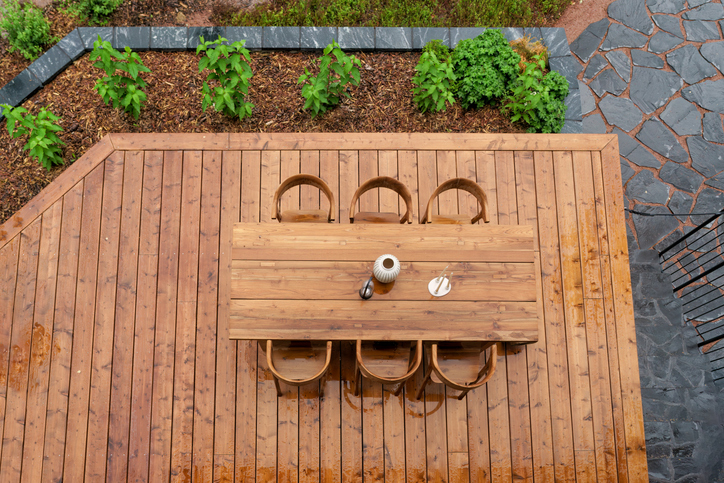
x,y
381,103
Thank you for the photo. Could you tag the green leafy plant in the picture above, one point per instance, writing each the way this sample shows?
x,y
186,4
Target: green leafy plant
x,y
97,11
231,71
538,98
25,27
441,51
324,90
124,89
434,81
43,142
485,68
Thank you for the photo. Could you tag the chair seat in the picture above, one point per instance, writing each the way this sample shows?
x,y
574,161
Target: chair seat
x,y
299,360
451,219
460,362
387,359
372,217
304,216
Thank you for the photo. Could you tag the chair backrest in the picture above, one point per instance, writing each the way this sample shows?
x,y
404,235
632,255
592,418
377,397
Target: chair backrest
x,y
301,215
389,362
464,365
381,182
461,184
298,362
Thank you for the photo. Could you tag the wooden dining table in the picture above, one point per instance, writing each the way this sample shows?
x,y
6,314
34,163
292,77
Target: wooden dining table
x,y
302,281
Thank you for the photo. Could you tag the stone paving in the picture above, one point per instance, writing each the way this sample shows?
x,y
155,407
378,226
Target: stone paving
x,y
652,73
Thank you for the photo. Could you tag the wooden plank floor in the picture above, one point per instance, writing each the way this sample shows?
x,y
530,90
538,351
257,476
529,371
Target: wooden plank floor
x,y
115,362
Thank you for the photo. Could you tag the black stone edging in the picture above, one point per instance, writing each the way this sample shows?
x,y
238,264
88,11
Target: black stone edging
x,y
400,39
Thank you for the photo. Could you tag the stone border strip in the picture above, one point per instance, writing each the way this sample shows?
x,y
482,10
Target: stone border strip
x,y
384,39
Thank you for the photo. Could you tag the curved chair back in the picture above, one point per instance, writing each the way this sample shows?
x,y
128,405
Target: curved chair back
x,y
298,362
461,184
462,366
372,217
303,216
387,362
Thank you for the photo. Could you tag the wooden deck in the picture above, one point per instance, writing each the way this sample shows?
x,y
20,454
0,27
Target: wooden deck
x,y
116,363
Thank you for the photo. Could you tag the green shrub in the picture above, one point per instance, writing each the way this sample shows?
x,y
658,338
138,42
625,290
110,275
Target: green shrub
x,y
485,68
434,81
231,72
25,27
441,51
97,11
43,143
324,90
124,89
538,98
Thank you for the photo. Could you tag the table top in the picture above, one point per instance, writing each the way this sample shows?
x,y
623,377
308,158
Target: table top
x,y
302,281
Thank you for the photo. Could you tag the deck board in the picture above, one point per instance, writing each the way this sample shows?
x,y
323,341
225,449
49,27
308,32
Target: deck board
x,y
117,269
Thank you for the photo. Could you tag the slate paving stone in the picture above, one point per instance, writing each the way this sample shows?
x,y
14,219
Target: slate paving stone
x,y
533,32
626,171
209,33
681,203
631,13
315,38
608,81
701,31
621,64
683,117
72,45
713,127
567,66
88,35
658,138
641,157
696,3
587,43
689,64
281,37
174,38
666,6
422,35
626,144
714,53
620,112
595,65
652,88
556,42
573,101
706,158
717,181
393,38
588,103
137,38
646,59
651,229
461,33
594,124
669,23
572,127
513,33
709,11
356,38
662,42
645,188
20,88
682,177
50,64
620,36
707,94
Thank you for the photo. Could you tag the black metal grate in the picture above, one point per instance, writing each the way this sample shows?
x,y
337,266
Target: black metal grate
x,y
695,263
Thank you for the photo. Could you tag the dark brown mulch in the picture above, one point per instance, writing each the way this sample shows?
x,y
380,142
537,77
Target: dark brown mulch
x,y
382,103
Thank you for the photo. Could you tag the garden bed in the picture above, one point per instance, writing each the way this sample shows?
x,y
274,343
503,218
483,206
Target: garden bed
x,y
382,103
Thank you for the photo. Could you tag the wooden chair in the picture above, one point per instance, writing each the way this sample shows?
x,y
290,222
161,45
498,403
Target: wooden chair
x,y
388,362
456,219
373,217
298,362
303,216
464,362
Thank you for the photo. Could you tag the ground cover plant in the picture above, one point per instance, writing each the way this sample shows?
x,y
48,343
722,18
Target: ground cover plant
x,y
25,28
230,72
336,71
43,143
395,13
124,89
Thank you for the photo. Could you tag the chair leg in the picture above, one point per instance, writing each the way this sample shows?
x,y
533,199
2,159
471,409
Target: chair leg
x,y
279,388
399,389
463,394
357,379
424,383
